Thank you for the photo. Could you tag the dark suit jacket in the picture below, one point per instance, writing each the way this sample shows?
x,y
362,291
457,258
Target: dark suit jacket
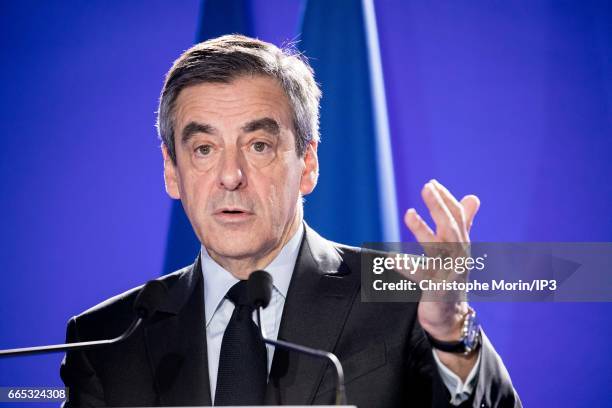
x,y
386,357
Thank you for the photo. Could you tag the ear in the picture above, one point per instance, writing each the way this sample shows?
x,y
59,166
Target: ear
x,y
170,175
310,174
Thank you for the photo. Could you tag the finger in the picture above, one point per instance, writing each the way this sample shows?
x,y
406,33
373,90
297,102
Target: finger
x,y
418,226
471,204
446,226
454,206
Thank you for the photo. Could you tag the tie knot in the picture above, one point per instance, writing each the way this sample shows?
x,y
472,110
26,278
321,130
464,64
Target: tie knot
x,y
238,294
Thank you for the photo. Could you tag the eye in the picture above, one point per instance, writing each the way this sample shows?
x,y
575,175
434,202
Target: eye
x,y
203,150
260,147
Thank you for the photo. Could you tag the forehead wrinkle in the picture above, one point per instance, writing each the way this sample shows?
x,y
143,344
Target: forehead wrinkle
x,y
234,105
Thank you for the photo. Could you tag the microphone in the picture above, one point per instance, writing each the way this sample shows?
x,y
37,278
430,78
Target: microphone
x,y
259,290
146,303
150,297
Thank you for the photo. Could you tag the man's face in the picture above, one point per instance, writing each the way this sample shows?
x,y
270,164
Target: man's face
x,y
237,172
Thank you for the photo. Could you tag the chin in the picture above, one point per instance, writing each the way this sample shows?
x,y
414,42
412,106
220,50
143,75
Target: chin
x,y
234,247
237,242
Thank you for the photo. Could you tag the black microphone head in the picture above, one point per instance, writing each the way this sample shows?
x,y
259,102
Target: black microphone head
x,y
259,288
151,296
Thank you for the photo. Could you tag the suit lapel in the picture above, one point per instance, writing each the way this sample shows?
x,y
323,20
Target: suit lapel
x,y
317,305
176,343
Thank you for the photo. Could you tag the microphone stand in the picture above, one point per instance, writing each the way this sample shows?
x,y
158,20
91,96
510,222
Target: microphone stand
x,y
340,392
152,294
73,346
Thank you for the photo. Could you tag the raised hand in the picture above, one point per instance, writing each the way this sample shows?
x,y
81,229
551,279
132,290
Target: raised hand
x,y
453,219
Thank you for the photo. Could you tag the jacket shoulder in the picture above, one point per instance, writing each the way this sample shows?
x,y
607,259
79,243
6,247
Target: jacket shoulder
x,y
352,255
111,317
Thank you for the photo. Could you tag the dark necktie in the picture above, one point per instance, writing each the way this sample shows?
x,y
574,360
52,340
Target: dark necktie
x,y
243,363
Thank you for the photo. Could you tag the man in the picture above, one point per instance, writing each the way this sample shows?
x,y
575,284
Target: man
x,y
238,119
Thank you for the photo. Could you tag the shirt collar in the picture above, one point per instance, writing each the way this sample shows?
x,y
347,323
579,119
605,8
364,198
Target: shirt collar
x,y
217,280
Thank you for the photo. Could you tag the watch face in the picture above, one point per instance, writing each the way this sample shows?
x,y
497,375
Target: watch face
x,y
472,337
472,334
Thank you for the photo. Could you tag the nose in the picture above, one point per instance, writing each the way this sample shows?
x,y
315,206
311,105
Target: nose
x,y
231,170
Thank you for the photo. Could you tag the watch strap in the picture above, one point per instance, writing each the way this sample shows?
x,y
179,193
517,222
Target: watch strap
x,y
470,336
448,346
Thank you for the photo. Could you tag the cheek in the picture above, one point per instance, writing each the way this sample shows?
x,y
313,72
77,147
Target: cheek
x,y
194,195
274,201
274,209
282,199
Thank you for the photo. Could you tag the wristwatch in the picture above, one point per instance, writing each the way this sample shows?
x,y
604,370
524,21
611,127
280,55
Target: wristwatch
x,y
470,336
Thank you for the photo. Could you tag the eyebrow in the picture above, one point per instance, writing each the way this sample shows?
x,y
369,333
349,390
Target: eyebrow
x,y
268,125
193,128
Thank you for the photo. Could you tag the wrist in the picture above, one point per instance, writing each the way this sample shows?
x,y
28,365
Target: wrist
x,y
447,322
465,343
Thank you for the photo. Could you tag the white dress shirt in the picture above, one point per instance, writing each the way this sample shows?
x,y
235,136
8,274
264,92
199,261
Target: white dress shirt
x,y
217,281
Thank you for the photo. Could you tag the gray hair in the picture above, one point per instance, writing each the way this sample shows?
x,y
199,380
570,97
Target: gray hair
x,y
223,59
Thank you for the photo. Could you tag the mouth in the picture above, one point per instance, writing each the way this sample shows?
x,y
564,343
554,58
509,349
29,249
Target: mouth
x,y
233,215
232,210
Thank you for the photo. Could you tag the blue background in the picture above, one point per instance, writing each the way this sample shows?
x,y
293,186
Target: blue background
x,y
508,100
